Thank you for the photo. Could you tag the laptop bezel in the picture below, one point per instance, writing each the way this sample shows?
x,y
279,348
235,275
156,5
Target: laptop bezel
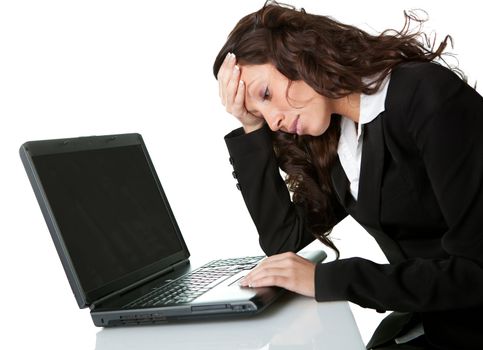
x,y
85,298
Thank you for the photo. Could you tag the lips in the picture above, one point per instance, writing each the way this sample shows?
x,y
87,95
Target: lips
x,y
294,128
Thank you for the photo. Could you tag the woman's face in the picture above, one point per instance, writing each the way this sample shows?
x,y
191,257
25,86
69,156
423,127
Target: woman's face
x,y
296,110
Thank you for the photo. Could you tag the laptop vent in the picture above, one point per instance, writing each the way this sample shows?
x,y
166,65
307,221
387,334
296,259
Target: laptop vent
x,y
138,320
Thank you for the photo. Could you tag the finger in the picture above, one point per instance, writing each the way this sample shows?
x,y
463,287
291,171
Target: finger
x,y
280,260
267,271
287,270
263,269
239,102
221,72
225,66
283,257
268,277
232,88
286,261
226,75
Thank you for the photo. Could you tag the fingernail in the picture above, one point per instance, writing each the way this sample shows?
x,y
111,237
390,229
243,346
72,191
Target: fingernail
x,y
242,282
236,69
242,82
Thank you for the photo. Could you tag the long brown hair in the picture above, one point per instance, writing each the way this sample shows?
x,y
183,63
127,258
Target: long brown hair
x,y
332,58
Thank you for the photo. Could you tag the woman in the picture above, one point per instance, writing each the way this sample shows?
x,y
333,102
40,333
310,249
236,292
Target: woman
x,y
367,126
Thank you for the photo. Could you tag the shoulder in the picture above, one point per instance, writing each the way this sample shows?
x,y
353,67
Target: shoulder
x,y
424,85
427,72
426,99
421,91
418,69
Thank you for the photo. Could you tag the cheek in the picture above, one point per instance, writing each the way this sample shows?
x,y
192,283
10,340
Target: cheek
x,y
302,93
318,118
318,109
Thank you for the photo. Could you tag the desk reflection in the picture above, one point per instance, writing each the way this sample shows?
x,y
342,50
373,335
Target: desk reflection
x,y
293,322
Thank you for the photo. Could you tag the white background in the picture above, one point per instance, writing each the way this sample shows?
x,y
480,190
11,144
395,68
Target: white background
x,y
99,67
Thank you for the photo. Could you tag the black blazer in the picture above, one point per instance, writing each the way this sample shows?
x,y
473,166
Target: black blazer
x,y
420,197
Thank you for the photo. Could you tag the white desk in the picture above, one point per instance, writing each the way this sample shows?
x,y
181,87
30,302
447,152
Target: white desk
x,y
293,322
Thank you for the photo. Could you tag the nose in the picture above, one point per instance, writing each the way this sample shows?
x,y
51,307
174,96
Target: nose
x,y
275,121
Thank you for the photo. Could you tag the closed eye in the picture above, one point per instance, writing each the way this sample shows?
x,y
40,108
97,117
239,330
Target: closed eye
x,y
266,94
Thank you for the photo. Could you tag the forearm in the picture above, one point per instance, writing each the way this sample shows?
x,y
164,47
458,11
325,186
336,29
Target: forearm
x,y
279,222
417,285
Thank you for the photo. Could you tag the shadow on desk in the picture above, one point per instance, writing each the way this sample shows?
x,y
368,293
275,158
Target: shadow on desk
x,y
293,322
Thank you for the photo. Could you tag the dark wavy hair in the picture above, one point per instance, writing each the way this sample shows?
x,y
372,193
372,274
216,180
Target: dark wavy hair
x,y
332,58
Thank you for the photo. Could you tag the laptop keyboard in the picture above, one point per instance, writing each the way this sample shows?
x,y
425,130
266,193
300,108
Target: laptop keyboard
x,y
192,285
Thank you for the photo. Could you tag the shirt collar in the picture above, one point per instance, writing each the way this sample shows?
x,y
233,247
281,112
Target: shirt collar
x,y
371,105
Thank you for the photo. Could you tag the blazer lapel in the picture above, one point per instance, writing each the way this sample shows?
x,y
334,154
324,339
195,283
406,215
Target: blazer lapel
x,y
341,183
366,210
372,166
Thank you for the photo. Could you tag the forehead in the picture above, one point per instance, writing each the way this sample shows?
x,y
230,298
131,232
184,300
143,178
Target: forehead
x,y
259,71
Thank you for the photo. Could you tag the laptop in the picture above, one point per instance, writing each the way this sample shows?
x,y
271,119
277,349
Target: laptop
x,y
118,240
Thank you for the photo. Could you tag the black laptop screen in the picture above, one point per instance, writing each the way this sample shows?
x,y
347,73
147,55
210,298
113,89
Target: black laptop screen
x,y
109,209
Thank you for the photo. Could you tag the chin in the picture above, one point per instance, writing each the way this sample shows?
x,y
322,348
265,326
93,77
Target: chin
x,y
313,133
314,129
319,131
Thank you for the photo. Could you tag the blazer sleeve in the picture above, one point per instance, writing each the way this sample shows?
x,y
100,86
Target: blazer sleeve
x,y
279,222
445,122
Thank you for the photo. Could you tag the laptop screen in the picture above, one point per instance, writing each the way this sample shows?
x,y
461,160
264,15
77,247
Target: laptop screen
x,y
113,217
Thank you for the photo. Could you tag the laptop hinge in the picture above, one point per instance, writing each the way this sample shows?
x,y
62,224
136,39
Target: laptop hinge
x,y
139,283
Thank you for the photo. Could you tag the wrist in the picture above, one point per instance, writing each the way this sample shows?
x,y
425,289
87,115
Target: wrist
x,y
250,128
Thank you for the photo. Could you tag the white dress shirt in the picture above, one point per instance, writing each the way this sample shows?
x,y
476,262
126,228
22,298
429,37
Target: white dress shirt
x,y
350,142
